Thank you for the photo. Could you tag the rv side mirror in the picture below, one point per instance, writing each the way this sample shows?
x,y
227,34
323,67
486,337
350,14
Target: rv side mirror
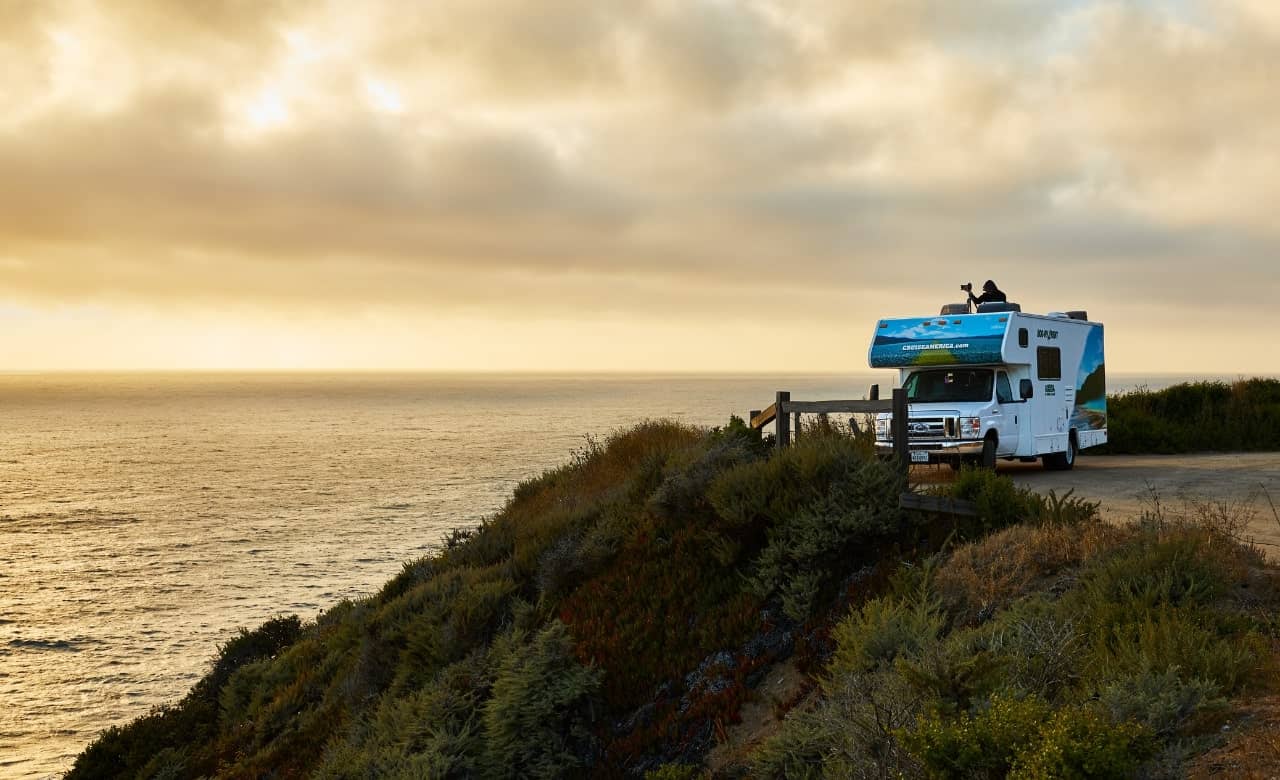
x,y
1026,389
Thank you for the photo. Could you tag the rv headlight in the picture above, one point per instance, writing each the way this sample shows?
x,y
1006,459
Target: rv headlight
x,y
971,427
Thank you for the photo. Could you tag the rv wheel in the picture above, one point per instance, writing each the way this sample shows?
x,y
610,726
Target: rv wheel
x,y
988,461
1063,461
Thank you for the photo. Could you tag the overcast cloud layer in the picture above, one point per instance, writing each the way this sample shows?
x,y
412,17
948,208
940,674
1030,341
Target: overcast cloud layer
x,y
617,168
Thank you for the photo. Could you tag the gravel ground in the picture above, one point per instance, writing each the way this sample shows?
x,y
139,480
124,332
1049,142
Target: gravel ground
x,y
1244,483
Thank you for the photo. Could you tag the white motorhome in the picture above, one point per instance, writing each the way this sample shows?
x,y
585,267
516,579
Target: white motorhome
x,y
998,383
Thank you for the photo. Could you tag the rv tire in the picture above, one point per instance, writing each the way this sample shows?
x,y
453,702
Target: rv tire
x,y
1063,461
987,462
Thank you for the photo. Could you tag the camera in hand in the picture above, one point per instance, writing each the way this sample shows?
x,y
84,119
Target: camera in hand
x,y
967,287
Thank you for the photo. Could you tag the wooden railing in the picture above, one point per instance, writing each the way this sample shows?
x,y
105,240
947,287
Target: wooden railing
x,y
782,410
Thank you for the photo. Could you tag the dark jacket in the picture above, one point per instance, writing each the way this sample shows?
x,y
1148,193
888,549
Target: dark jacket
x,y
993,295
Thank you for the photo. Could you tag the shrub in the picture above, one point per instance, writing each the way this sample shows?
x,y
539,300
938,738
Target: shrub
x,y
953,673
1163,701
1041,649
757,495
1170,639
539,720
984,744
999,502
178,738
882,630
683,490
1080,742
658,611
1067,510
1025,738
1199,416
980,577
1182,568
674,772
852,733
809,550
434,732
560,567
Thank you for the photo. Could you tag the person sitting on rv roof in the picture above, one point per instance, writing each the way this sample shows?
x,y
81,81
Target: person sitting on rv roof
x,y
990,294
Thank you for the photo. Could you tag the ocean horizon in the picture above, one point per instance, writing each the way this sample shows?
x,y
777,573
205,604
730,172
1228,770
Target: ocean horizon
x,y
146,516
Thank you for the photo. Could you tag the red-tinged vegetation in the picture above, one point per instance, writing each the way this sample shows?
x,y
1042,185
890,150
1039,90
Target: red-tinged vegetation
x,y
652,617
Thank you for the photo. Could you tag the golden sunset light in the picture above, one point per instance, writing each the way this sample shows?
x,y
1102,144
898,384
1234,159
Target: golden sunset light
x,y
502,185
680,389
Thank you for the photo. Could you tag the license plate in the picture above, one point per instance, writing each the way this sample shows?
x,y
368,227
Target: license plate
x,y
919,456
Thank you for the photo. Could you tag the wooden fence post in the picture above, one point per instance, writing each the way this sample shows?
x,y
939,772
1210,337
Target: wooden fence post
x,y
901,442
783,418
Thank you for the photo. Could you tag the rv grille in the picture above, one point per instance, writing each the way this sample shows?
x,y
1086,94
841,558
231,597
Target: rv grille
x,y
932,427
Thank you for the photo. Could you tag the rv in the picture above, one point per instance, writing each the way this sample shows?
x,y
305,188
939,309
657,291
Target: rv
x,y
995,384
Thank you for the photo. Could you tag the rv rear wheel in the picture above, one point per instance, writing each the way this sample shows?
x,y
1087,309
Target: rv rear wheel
x,y
1063,461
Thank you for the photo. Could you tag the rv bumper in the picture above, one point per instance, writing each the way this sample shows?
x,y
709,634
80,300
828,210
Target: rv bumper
x,y
935,451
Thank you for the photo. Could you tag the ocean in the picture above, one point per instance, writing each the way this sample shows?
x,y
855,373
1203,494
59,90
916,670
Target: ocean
x,y
145,517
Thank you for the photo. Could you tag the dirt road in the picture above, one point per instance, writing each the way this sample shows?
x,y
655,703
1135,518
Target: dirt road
x,y
1125,484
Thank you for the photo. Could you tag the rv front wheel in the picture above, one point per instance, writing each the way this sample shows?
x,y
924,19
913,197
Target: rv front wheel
x,y
988,461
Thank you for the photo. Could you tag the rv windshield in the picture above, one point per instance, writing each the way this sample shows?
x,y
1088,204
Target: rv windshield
x,y
949,384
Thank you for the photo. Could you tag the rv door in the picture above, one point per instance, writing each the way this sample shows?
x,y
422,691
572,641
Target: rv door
x,y
1008,415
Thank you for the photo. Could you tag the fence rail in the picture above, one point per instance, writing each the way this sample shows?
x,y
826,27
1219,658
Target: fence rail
x,y
782,411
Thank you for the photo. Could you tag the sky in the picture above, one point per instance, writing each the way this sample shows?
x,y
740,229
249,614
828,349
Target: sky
x,y
628,185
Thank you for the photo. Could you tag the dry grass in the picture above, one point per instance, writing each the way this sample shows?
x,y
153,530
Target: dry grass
x,y
1252,752
983,576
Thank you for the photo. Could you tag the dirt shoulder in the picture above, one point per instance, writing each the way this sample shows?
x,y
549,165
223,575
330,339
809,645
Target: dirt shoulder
x,y
1125,484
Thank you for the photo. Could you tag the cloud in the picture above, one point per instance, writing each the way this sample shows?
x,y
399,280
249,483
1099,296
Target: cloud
x,y
626,157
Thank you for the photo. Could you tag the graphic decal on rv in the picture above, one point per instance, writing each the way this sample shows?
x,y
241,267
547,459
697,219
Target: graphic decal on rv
x,y
941,341
1090,412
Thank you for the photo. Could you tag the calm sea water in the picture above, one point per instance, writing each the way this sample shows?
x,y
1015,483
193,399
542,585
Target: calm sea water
x,y
144,517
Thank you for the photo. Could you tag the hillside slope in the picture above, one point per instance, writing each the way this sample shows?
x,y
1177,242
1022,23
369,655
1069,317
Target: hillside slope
x,y
614,617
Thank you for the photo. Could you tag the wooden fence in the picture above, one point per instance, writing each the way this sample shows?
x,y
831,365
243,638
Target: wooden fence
x,y
783,411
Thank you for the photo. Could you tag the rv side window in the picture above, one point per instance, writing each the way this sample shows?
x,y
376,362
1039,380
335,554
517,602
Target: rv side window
x,y
1004,393
1048,363
1023,338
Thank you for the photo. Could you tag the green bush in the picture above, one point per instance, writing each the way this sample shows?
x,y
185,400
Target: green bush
x,y
1199,416
1180,569
538,723
674,772
1000,503
1027,739
954,673
1170,639
808,550
177,739
434,732
1080,742
1163,701
1041,649
760,494
807,511
853,732
882,630
984,744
